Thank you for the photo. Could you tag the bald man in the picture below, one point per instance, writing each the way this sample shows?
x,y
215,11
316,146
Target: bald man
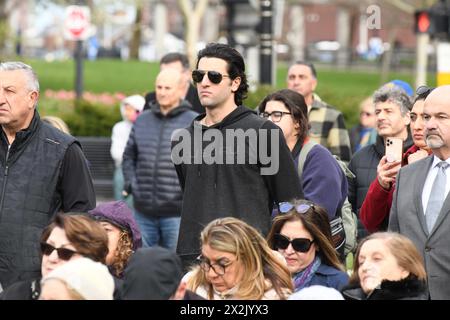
x,y
421,205
149,173
179,62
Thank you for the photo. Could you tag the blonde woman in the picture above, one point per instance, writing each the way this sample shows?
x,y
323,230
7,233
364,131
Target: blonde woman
x,y
56,122
387,266
237,263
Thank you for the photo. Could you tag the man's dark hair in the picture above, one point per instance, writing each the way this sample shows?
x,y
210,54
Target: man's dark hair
x,y
235,63
174,57
309,65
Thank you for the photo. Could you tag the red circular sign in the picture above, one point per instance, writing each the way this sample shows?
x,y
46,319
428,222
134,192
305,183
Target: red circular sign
x,y
77,21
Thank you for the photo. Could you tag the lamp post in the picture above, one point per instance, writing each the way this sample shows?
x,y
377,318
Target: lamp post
x,y
266,43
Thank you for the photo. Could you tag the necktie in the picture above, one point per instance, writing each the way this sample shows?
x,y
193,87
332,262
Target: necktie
x,y
437,196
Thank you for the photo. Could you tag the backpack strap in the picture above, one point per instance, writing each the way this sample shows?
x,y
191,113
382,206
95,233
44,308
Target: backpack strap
x,y
306,148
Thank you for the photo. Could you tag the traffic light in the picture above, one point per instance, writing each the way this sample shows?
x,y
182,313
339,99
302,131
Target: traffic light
x,y
422,21
434,20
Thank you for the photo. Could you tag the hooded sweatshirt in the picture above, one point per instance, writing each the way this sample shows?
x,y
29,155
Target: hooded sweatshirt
x,y
216,190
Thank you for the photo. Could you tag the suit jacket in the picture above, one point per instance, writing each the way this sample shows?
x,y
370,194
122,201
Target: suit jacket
x,y
407,217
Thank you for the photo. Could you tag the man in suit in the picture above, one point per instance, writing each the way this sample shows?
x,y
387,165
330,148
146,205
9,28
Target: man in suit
x,y
421,206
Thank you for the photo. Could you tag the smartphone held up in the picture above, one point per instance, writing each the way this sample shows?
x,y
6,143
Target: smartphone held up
x,y
394,149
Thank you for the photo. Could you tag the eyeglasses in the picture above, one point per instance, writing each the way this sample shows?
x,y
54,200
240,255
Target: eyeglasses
x,y
219,267
63,253
213,76
298,244
275,115
366,114
300,208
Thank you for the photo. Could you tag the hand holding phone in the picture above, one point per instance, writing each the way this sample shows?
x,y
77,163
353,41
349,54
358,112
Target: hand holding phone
x,y
394,149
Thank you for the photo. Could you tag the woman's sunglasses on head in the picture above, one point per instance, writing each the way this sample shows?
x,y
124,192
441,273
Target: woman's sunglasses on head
x,y
423,90
285,207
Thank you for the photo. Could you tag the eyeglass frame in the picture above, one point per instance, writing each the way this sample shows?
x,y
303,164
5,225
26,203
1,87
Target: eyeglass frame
x,y
285,207
64,254
292,242
280,114
210,74
206,265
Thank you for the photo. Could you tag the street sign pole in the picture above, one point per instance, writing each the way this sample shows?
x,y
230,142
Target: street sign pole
x,y
77,28
266,45
79,70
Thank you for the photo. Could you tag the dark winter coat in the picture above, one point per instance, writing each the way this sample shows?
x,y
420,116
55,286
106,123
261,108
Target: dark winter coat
x,y
22,290
406,289
364,166
35,175
148,170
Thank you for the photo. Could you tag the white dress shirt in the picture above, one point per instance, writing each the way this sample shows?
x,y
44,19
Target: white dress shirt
x,y
430,180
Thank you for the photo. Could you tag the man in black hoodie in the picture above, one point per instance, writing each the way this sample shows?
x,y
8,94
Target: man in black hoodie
x,y
222,178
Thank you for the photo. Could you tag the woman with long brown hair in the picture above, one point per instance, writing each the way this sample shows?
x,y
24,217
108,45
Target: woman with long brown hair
x,y
302,234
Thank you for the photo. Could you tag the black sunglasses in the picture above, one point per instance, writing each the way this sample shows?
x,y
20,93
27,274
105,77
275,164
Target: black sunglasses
x,y
213,76
63,253
298,244
423,90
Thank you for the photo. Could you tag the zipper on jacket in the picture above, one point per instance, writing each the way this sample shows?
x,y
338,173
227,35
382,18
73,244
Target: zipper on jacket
x,y
155,167
5,178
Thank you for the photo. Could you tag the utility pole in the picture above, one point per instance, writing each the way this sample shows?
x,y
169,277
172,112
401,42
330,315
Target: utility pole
x,y
423,40
266,43
79,70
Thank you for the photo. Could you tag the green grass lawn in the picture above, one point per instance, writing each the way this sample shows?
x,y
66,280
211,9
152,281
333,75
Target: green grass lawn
x,y
104,75
343,89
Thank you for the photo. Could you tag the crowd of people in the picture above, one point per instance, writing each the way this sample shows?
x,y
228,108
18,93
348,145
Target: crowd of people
x,y
217,201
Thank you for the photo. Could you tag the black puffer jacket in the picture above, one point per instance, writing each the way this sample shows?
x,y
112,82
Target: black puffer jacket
x,y
364,166
147,165
410,288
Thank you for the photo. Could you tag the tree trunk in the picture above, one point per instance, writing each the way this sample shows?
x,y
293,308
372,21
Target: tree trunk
x,y
296,35
192,18
136,33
